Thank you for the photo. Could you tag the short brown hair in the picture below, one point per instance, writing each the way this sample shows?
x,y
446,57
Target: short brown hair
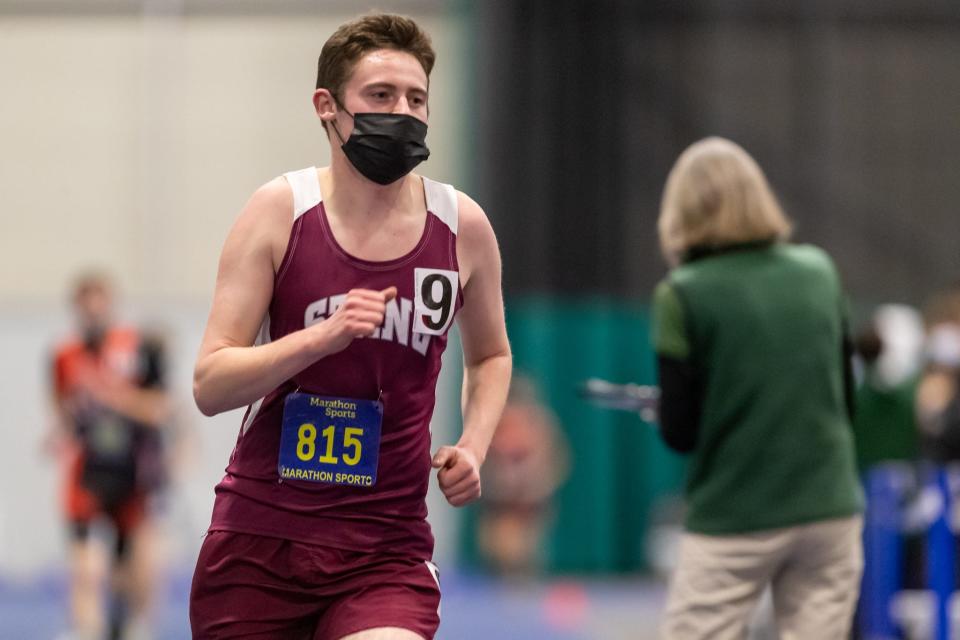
x,y
717,196
352,40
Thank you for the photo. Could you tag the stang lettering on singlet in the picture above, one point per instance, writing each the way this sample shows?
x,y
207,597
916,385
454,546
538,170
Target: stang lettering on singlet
x,y
330,440
410,323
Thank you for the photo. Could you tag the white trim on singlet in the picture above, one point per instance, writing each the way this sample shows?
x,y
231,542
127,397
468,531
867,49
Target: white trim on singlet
x,y
435,574
262,338
305,184
254,410
442,202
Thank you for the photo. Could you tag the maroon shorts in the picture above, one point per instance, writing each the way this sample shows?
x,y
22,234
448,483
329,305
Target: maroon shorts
x,y
258,587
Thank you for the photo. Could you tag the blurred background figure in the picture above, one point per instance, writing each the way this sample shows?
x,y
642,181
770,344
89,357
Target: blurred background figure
x,y
938,394
111,406
755,384
889,355
890,351
527,461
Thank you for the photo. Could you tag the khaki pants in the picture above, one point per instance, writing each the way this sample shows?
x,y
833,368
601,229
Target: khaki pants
x,y
813,570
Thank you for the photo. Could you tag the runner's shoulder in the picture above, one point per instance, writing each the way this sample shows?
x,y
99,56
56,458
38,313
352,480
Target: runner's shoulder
x,y
267,215
468,210
474,226
475,237
272,200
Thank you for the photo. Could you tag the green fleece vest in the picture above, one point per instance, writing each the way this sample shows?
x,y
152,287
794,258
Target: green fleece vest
x,y
763,325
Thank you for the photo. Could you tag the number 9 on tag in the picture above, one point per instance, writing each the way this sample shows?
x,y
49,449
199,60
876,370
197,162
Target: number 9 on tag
x,y
435,294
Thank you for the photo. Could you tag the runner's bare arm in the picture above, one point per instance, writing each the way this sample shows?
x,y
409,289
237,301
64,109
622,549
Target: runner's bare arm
x,y
230,371
486,353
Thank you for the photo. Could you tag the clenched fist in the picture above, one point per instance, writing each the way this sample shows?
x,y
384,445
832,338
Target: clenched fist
x,y
359,316
458,475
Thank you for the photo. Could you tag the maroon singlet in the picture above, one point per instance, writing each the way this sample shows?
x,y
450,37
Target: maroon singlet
x,y
399,366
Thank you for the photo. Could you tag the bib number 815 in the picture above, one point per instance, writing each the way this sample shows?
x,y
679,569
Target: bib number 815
x,y
307,444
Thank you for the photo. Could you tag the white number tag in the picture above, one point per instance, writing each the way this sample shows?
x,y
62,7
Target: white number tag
x,y
435,291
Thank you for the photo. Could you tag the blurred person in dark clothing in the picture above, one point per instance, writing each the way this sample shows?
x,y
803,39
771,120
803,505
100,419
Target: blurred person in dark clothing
x,y
938,394
884,424
109,396
889,350
526,463
756,385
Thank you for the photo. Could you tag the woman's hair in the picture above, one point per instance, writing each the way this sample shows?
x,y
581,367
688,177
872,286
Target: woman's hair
x,y
716,196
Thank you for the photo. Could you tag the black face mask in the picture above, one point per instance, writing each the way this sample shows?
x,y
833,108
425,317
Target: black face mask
x,y
384,147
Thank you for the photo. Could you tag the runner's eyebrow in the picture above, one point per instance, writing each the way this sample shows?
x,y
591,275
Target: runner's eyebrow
x,y
392,87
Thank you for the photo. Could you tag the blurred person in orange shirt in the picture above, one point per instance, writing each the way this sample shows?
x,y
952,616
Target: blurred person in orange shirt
x,y
527,461
110,402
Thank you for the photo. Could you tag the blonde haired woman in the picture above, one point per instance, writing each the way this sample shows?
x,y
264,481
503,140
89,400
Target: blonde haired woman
x,y
750,333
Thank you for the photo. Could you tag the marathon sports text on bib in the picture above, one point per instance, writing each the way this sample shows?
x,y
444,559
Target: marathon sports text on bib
x,y
330,440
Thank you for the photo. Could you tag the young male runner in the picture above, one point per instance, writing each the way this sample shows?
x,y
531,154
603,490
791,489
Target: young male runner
x,y
336,291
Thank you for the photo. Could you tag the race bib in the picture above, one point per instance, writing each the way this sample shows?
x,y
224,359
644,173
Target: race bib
x,y
435,295
330,440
